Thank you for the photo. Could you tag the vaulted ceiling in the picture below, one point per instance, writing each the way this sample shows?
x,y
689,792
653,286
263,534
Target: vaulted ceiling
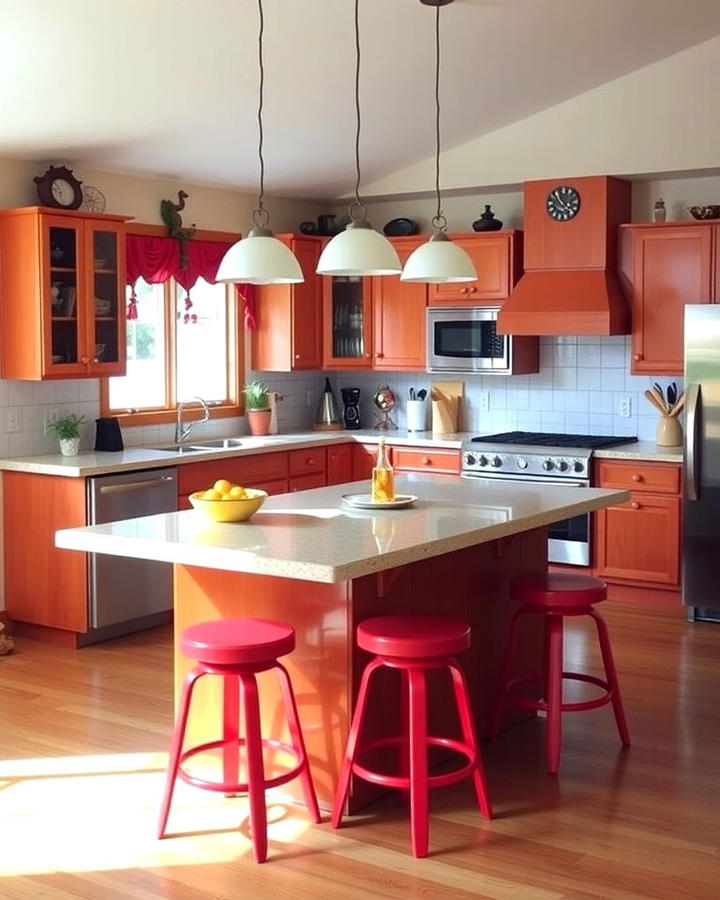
x,y
169,87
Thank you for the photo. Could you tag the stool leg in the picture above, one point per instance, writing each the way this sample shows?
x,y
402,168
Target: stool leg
x,y
462,698
231,730
298,742
554,663
419,787
501,696
352,743
255,772
611,677
403,761
176,744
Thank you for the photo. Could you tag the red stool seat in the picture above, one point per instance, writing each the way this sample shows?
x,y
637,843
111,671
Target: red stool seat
x,y
554,596
414,646
235,650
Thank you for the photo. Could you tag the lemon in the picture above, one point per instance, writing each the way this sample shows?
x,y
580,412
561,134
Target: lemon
x,y
222,486
237,493
212,494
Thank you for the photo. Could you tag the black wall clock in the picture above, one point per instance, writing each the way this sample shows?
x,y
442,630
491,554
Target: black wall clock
x,y
563,203
58,187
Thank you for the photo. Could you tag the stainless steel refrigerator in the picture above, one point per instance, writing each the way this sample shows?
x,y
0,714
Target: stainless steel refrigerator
x,y
701,501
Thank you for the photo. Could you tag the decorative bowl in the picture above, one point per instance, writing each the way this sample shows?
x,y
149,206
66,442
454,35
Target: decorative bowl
x,y
705,212
229,510
400,228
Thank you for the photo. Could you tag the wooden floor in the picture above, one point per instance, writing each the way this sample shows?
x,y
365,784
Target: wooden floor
x,y
82,748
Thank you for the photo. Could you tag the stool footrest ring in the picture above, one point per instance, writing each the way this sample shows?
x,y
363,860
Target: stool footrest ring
x,y
232,787
402,782
573,706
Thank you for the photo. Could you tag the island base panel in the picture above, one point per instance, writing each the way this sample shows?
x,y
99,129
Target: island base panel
x,y
471,584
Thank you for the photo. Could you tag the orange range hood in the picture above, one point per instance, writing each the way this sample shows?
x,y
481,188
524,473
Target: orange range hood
x,y
570,285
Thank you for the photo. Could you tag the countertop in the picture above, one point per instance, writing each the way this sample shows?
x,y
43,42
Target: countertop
x,y
133,458
314,536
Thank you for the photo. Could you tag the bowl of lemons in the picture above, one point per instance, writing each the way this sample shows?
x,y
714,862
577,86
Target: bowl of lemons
x,y
228,502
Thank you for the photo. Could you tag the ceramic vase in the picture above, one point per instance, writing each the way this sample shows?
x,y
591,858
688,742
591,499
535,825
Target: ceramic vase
x,y
487,221
669,432
69,446
259,421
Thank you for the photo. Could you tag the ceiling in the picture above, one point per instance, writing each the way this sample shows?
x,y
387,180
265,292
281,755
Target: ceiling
x,y
169,87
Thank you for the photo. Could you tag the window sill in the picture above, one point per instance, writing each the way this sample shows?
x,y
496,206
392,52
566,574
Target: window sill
x,y
168,417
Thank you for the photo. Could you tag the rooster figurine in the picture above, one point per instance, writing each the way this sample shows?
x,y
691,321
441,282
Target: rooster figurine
x,y
170,214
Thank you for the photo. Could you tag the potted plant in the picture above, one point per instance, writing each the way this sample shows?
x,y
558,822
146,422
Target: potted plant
x,y
67,428
257,407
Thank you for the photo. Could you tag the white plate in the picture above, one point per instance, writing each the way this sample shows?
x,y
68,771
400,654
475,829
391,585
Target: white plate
x,y
365,501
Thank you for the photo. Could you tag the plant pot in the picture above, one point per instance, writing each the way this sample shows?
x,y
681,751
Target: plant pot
x,y
69,446
259,421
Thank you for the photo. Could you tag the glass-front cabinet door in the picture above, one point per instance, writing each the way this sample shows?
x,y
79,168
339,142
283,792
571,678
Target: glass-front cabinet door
x,y
106,303
63,249
348,323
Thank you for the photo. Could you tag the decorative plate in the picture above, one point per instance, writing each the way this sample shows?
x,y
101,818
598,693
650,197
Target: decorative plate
x,y
400,228
365,501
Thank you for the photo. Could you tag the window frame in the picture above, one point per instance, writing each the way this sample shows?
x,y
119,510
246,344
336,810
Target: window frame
x,y
235,355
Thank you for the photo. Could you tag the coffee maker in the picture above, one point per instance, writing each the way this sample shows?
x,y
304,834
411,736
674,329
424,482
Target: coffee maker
x,y
351,413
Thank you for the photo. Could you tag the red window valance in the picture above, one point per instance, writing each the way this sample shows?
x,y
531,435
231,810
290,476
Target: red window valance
x,y
156,259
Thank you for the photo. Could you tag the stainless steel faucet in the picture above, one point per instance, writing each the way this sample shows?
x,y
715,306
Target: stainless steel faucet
x,y
183,429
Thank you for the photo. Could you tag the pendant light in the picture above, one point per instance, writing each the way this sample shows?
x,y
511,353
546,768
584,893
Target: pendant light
x,y
260,258
359,250
438,260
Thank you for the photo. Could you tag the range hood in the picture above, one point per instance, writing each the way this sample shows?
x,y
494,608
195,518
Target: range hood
x,y
570,285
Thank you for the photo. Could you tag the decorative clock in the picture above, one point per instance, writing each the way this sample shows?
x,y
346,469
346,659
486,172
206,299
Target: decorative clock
x,y
58,187
563,203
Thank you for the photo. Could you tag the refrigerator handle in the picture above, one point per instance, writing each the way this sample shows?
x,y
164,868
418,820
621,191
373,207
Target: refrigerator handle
x,y
692,444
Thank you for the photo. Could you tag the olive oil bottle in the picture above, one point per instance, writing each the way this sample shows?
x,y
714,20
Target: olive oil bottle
x,y
383,478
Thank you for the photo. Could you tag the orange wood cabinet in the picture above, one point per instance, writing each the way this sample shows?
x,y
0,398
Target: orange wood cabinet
x,y
424,459
498,260
363,460
639,540
339,463
347,322
43,584
288,333
62,279
664,268
399,318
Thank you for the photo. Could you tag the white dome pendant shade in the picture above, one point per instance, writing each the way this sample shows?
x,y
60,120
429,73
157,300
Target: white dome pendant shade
x,y
259,258
438,261
359,250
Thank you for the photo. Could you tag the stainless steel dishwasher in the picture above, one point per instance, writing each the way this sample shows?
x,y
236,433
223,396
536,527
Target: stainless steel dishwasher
x,y
128,594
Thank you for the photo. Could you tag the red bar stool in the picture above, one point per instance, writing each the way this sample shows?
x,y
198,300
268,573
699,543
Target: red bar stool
x,y
554,596
236,650
414,645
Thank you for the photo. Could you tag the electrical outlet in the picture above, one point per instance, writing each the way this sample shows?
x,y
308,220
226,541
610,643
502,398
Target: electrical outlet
x,y
12,419
484,401
625,407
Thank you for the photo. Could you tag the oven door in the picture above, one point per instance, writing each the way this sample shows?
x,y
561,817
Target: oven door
x,y
568,539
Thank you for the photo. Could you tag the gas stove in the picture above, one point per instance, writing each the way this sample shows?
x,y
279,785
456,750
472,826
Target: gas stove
x,y
528,454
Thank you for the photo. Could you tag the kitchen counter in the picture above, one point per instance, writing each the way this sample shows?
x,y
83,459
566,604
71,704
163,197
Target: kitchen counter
x,y
89,462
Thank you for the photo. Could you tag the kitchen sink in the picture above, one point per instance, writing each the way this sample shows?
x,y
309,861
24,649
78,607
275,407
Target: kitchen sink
x,y
219,444
184,448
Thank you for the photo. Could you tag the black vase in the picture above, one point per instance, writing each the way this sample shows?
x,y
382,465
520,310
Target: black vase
x,y
487,221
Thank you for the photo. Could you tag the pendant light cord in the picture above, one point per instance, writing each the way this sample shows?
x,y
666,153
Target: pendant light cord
x,y
260,215
357,209
439,222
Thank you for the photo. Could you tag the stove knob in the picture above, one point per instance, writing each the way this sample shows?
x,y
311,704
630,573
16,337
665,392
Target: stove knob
x,y
470,459
548,465
562,465
483,460
522,462
496,462
578,466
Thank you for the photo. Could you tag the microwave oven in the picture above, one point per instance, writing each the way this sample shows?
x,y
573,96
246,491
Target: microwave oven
x,y
465,340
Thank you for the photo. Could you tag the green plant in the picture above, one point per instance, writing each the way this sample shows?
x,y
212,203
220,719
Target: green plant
x,y
257,395
67,426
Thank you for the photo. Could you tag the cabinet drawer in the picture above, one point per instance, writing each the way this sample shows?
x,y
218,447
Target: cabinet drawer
x,y
416,459
656,477
303,462
339,464
248,471
306,482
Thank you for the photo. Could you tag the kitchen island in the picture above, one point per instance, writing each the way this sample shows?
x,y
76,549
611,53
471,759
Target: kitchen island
x,y
310,560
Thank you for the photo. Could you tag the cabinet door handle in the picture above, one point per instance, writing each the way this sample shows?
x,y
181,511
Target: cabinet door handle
x,y
426,461
638,357
84,360
472,290
368,356
636,505
463,290
380,355
637,478
310,461
297,356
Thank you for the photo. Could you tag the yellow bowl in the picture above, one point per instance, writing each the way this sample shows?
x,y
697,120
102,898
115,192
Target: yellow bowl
x,y
229,510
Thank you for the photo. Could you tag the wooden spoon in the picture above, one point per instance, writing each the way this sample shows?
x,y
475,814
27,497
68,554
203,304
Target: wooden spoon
x,y
655,400
678,406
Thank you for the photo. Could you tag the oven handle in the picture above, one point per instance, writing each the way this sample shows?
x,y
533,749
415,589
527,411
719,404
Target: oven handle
x,y
530,479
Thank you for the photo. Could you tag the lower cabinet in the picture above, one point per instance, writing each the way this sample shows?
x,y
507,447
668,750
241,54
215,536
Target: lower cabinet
x,y
424,459
639,540
339,463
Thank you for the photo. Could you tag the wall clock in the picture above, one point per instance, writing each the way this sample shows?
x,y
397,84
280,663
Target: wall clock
x,y
58,187
563,203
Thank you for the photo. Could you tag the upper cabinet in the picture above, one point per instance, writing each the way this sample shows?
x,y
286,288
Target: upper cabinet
x,y
399,318
288,333
665,267
498,261
347,321
62,281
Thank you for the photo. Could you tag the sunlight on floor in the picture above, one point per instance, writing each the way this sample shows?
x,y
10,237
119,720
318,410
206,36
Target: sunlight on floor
x,y
92,813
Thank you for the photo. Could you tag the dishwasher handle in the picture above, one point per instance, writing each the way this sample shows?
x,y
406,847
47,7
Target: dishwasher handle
x,y
128,486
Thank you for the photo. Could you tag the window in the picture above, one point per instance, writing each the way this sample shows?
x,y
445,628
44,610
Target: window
x,y
179,346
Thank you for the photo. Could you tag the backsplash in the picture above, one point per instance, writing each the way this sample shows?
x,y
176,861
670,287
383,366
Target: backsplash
x,y
581,386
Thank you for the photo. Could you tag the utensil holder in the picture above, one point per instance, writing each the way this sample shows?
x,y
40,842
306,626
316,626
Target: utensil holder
x,y
416,415
669,432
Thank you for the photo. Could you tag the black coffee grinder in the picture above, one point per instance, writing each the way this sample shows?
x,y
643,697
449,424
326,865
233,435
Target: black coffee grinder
x,y
351,413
